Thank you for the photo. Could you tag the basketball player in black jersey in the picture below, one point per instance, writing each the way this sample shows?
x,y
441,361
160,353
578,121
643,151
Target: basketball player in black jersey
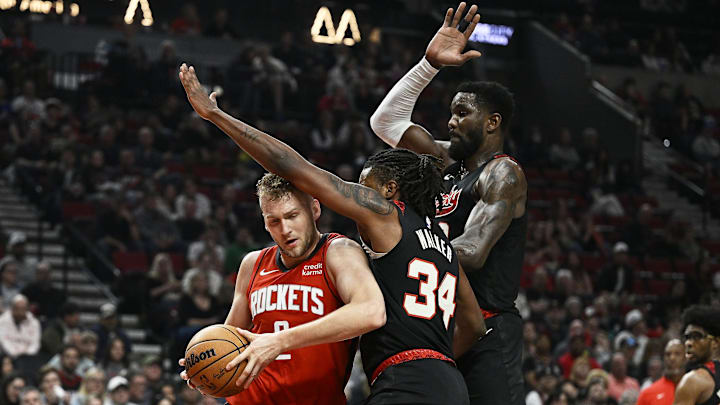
x,y
412,260
484,207
701,385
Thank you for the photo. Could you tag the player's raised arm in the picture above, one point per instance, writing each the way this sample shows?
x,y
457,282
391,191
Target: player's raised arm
x,y
469,322
362,204
502,193
364,311
391,122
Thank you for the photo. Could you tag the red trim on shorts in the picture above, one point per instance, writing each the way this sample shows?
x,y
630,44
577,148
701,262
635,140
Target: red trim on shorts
x,y
409,355
488,314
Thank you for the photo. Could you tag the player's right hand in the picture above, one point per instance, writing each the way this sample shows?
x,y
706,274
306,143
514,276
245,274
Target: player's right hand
x,y
183,374
446,47
196,94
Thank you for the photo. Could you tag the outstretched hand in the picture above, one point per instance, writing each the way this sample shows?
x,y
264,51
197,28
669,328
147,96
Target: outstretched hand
x,y
446,47
196,94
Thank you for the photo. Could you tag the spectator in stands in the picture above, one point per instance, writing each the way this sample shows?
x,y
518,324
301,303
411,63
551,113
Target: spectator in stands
x,y
198,306
163,287
187,222
159,232
598,392
706,146
146,156
116,228
562,228
118,391
636,329
618,276
60,332
152,369
28,105
274,77
576,349
19,330
210,242
323,135
53,393
619,381
582,282
9,285
94,174
70,378
140,393
238,248
86,343
30,396
188,396
116,360
107,143
10,388
548,378
563,154
653,371
93,383
221,27
536,150
605,202
45,300
190,192
664,388
16,246
7,365
188,22
108,329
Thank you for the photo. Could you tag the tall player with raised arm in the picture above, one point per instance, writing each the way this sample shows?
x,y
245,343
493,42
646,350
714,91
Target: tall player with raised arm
x,y
484,207
412,261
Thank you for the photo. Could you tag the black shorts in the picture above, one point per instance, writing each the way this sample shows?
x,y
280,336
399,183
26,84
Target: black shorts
x,y
423,381
493,366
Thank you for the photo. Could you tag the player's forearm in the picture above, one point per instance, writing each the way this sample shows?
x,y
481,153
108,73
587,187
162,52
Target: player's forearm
x,y
393,116
347,322
273,154
466,334
471,252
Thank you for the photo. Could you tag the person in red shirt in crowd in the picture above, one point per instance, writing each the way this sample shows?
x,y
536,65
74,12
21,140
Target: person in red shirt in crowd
x,y
619,381
578,348
662,391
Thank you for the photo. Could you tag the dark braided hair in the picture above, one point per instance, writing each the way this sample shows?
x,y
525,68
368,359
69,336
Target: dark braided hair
x,y
418,177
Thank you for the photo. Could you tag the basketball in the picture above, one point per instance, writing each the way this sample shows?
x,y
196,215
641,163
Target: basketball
x,y
206,356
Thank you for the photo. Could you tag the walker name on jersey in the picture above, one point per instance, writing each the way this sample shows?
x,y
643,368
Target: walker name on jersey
x,y
312,269
429,240
287,297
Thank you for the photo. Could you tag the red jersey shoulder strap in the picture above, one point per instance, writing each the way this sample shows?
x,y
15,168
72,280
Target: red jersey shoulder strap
x,y
256,266
331,286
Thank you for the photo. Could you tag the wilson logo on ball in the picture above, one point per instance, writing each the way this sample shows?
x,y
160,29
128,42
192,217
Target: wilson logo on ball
x,y
195,359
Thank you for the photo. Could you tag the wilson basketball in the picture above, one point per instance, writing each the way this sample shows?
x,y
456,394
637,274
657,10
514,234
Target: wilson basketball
x,y
206,356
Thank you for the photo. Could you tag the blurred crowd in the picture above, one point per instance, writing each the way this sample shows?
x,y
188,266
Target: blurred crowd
x,y
666,36
170,201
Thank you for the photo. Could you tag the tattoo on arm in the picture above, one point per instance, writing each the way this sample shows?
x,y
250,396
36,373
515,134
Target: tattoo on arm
x,y
364,196
247,133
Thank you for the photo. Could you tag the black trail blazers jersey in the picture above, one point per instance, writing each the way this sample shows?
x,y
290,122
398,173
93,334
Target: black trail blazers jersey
x,y
496,284
418,279
713,367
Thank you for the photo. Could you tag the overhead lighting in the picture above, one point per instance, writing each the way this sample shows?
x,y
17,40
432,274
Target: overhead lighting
x,y
145,7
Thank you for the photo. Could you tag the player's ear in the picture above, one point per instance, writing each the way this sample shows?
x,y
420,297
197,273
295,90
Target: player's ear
x,y
493,122
390,190
316,210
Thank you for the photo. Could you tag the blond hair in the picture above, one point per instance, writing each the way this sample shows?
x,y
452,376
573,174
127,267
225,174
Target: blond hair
x,y
274,187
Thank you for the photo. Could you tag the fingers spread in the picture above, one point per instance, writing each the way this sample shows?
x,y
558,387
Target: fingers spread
x,y
458,14
471,28
448,17
471,13
237,360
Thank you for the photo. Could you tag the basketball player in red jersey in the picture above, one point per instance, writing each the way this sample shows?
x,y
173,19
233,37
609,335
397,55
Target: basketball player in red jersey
x,y
307,296
701,385
483,209
412,261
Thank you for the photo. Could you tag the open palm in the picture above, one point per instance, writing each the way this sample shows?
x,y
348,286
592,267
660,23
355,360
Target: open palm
x,y
446,47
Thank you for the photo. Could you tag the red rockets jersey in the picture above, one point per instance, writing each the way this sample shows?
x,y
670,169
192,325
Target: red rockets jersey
x,y
281,298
